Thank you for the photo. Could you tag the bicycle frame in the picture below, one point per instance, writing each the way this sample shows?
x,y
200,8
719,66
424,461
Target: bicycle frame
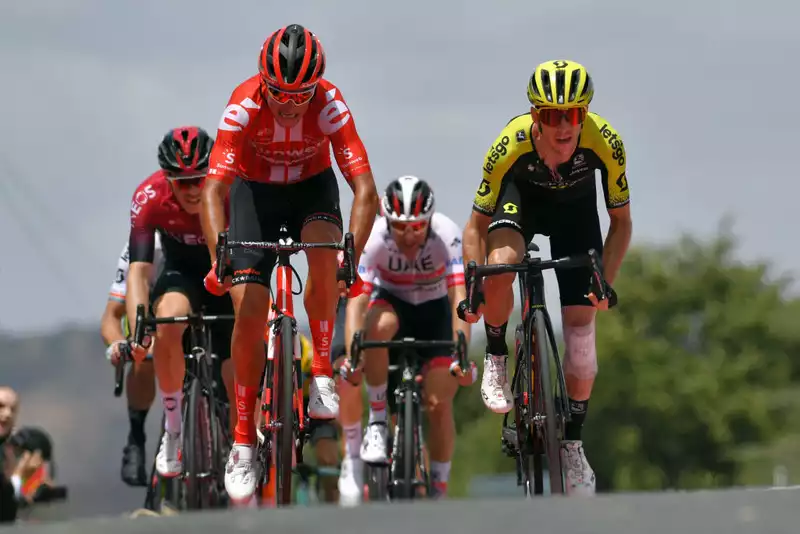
x,y
403,485
198,369
532,421
282,310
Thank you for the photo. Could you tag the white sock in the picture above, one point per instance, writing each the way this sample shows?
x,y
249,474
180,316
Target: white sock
x,y
353,436
440,472
377,403
172,410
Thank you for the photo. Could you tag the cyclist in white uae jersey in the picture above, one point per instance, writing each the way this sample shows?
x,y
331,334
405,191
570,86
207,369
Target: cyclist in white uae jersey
x,y
412,264
140,385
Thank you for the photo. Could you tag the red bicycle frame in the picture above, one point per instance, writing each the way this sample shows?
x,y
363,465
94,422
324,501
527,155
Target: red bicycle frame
x,y
274,440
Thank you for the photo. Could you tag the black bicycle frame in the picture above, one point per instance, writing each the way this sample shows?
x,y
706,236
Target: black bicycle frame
x,y
409,385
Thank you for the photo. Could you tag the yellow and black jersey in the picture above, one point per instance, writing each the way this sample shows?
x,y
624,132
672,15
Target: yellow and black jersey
x,y
513,156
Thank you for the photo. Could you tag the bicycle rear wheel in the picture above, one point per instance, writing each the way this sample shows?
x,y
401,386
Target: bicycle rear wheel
x,y
547,404
285,431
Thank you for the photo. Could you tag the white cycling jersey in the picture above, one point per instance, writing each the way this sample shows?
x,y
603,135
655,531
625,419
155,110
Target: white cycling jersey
x,y
437,267
120,286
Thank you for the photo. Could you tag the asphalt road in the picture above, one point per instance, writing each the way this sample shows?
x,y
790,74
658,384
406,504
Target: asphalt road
x,y
739,511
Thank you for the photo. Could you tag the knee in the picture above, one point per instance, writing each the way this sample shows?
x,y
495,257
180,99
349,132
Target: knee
x,y
580,359
169,333
383,327
440,388
439,408
503,254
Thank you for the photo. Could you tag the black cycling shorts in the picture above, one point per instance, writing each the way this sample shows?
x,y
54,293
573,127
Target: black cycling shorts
x,y
257,211
428,321
191,284
573,227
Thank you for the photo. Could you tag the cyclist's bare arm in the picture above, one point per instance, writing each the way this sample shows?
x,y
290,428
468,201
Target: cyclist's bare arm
x,y
138,289
617,241
474,238
212,214
362,216
456,294
111,322
354,319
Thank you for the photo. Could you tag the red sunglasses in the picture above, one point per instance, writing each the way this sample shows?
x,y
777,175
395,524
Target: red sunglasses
x,y
553,117
299,98
414,226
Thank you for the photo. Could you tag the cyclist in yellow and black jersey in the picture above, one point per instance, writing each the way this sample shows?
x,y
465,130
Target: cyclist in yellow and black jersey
x,y
539,178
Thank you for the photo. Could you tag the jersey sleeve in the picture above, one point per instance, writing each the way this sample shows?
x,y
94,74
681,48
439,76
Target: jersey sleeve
x,y
336,121
119,286
611,150
141,243
451,235
498,161
225,159
368,263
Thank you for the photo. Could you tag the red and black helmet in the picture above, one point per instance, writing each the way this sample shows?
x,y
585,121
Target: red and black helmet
x,y
292,59
408,199
185,149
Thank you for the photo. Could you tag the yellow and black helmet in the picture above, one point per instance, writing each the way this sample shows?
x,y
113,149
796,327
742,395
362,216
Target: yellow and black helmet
x,y
560,84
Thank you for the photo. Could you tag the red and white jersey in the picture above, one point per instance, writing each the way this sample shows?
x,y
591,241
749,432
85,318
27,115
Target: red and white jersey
x,y
438,266
252,145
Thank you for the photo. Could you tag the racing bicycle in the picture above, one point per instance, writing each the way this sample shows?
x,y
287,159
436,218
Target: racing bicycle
x,y
407,470
282,426
538,386
206,435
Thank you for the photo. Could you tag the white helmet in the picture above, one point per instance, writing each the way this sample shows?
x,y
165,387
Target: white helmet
x,y
408,199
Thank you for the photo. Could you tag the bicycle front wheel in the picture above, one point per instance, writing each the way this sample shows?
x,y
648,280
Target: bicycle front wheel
x,y
197,440
547,404
285,431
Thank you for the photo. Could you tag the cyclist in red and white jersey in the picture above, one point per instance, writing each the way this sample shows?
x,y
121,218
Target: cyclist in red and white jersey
x,y
272,155
168,203
140,383
412,265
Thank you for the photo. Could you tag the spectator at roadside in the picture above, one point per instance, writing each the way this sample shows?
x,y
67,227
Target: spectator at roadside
x,y
9,408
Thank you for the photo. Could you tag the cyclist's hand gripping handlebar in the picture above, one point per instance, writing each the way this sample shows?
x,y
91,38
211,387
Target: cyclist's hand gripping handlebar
x,y
599,289
468,309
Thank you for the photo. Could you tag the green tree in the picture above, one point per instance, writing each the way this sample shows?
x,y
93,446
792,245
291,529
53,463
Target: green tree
x,y
698,375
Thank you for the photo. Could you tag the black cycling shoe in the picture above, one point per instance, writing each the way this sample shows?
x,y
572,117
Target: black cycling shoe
x,y
133,473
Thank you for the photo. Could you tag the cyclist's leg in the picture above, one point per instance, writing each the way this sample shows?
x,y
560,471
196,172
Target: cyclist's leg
x,y
140,391
173,294
325,441
382,323
316,202
505,244
221,334
255,209
576,229
433,320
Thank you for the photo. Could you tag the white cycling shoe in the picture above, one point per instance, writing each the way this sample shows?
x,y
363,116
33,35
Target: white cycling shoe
x,y
495,389
373,447
323,401
169,460
580,480
351,481
240,475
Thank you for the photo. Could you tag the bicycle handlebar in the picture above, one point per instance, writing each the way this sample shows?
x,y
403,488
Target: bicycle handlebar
x,y
143,325
346,273
474,273
458,348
